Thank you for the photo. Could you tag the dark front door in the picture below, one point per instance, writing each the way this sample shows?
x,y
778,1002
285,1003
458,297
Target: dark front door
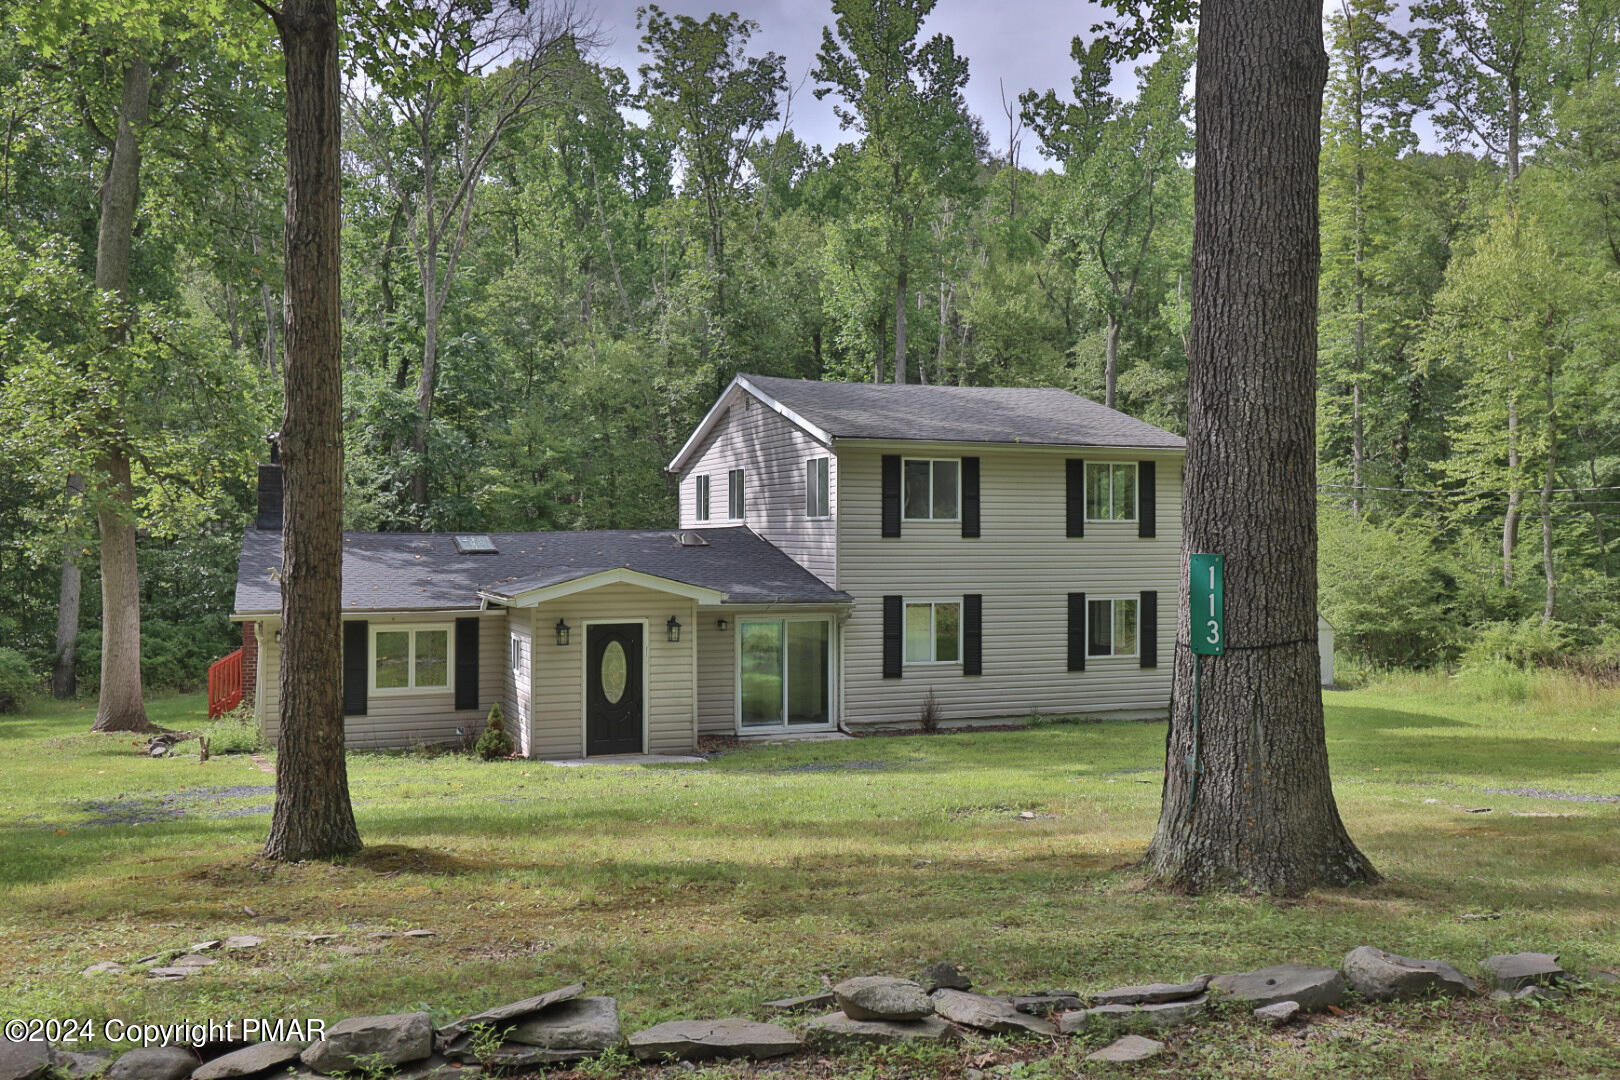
x,y
613,677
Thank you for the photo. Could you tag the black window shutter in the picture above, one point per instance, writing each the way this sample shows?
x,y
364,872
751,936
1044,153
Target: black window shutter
x,y
1147,629
891,494
1074,497
970,496
467,663
1077,631
973,634
893,620
356,666
1147,509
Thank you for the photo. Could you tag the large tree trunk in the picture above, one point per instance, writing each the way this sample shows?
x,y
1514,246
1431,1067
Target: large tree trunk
x,y
900,326
121,707
1549,568
64,671
1264,816
313,818
1510,520
1111,361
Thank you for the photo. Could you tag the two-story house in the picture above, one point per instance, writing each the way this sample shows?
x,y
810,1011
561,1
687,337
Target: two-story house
x,y
846,555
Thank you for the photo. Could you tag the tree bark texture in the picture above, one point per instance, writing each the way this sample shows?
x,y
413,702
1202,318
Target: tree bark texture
x,y
121,706
1264,816
64,671
313,818
1515,498
1111,361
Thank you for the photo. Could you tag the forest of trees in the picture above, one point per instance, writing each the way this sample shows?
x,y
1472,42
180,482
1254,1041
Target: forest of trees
x,y
551,268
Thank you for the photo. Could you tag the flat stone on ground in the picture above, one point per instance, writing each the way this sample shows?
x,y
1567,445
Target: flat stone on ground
x,y
1129,1048
1380,976
371,1042
510,1055
1048,1003
498,1016
1312,987
153,1063
874,997
1538,993
700,1040
242,941
104,967
1277,1015
1514,971
823,1000
987,1013
583,1023
1152,1014
1152,992
207,946
837,1029
174,972
250,1061
25,1060
944,975
193,960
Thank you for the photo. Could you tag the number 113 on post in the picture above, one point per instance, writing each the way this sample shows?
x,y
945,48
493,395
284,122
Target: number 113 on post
x,y
1206,597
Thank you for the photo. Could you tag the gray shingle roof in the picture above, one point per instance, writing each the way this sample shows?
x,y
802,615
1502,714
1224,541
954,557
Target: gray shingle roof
x,y
974,414
424,571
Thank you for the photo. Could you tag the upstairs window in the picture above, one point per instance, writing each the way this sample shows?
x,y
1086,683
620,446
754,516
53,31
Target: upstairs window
x,y
1110,491
933,633
734,494
1111,627
815,488
702,498
933,489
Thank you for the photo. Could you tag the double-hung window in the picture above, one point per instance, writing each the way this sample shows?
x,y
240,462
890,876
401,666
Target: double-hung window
x,y
933,489
815,488
1111,627
734,494
411,658
1110,491
933,633
702,494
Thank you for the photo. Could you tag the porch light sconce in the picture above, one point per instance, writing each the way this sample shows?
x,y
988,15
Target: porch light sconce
x,y
278,637
720,624
674,626
562,632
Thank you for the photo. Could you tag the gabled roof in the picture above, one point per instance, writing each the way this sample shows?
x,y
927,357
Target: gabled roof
x,y
834,411
426,572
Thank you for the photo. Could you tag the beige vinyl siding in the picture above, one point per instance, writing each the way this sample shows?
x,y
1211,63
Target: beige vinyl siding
x,y
1024,567
518,681
401,720
558,723
772,451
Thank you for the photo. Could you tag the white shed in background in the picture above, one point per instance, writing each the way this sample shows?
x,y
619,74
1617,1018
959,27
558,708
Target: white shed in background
x,y
1324,648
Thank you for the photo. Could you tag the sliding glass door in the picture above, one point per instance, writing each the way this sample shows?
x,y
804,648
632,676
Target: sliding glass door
x,y
785,673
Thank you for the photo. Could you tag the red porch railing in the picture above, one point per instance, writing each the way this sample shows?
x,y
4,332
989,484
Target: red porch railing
x,y
225,684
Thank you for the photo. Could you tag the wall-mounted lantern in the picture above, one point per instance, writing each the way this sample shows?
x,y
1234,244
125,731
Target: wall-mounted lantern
x,y
720,624
562,632
674,626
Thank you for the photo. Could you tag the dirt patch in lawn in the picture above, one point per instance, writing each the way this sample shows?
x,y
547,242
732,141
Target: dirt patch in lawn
x,y
214,802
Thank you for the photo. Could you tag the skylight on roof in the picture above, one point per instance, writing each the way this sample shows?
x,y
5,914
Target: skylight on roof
x,y
475,545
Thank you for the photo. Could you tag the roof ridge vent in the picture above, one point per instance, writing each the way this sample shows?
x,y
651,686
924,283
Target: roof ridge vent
x,y
691,539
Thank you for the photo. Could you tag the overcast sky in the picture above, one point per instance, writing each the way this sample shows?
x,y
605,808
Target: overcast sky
x,y
1017,45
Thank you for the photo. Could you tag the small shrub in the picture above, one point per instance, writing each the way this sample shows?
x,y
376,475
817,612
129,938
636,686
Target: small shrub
x,y
494,742
928,715
17,680
1528,643
237,732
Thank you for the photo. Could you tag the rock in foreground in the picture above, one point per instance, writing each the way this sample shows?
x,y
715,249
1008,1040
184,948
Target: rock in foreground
x,y
1515,971
700,1040
372,1042
1153,1014
1130,1048
873,997
584,1023
837,1029
988,1013
1312,987
1380,976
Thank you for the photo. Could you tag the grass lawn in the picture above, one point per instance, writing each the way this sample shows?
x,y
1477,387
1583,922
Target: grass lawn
x,y
691,891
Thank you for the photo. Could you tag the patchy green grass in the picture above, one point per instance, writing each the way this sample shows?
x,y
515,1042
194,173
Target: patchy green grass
x,y
703,890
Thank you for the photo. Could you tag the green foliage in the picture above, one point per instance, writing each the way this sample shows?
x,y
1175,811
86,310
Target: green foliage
x,y
18,680
1386,589
1528,643
493,742
236,732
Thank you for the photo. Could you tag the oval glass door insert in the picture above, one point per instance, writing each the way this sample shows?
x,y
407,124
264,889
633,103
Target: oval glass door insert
x,y
614,672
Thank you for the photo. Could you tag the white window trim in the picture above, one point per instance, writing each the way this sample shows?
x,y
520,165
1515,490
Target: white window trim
x,y
833,661
824,477
700,498
736,492
933,632
449,631
1136,647
931,460
1136,492
585,674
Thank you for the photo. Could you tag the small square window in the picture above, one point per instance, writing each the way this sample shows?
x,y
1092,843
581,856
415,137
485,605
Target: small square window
x,y
933,633
1111,627
411,658
1110,491
933,489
